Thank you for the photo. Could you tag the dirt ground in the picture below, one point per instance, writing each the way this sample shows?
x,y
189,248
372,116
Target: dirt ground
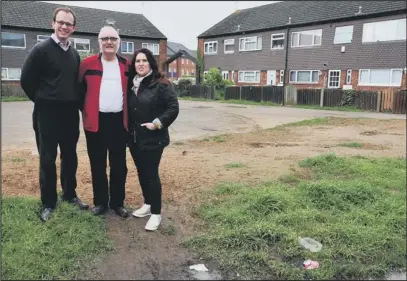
x,y
191,167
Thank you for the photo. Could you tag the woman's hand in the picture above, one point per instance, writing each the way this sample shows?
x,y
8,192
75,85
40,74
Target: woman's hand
x,y
151,126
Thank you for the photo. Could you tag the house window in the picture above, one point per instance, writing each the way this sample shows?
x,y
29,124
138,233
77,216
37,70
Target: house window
x,y
10,73
182,61
13,40
229,46
343,34
306,38
349,76
225,75
211,48
334,79
249,76
304,76
281,77
380,77
183,71
81,45
127,47
277,41
154,48
390,30
41,38
250,43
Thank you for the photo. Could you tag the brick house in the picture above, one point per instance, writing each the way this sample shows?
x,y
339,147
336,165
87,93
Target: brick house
x,y
181,66
26,23
335,44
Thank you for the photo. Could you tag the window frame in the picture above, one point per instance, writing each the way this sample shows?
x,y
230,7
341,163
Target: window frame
x,y
343,42
390,84
212,44
229,44
7,78
145,46
272,39
127,46
223,74
81,39
330,76
365,26
245,72
301,82
14,47
348,75
299,36
38,40
246,39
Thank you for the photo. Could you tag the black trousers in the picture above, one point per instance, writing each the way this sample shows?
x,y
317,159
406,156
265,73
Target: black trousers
x,y
111,137
147,163
56,123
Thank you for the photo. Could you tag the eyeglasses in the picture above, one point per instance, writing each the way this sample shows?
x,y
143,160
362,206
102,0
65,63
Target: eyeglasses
x,y
105,39
61,23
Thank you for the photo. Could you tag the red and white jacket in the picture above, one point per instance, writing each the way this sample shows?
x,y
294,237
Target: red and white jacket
x,y
90,79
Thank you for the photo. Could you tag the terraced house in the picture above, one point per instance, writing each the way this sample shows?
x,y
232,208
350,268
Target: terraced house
x,y
25,23
312,44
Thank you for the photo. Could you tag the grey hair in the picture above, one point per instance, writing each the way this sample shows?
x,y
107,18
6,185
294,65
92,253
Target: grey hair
x,y
111,28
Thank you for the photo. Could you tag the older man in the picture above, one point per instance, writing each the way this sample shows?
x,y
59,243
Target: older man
x,y
48,78
103,86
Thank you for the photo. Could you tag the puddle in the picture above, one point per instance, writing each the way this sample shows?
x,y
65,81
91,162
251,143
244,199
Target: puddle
x,y
205,275
202,106
209,129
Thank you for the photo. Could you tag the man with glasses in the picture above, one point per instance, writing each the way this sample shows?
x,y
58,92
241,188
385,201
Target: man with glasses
x,y
48,78
103,86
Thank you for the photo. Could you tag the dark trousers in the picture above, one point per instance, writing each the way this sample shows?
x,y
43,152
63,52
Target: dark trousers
x,y
147,163
111,137
56,123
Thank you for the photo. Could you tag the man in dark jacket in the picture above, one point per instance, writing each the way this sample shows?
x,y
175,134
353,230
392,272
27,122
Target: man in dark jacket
x,y
48,78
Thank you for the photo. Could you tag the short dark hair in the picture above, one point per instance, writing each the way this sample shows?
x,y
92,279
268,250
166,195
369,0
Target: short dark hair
x,y
151,60
66,10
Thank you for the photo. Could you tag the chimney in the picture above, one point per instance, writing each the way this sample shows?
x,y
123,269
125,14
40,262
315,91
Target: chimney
x,y
289,20
238,27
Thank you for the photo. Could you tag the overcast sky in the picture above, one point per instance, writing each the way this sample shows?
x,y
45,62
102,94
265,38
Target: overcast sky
x,y
179,21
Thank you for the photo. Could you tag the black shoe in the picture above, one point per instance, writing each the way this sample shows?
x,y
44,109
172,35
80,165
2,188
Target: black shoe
x,y
99,210
77,202
121,211
46,213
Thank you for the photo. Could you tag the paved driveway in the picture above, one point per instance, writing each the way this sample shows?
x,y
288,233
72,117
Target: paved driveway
x,y
196,120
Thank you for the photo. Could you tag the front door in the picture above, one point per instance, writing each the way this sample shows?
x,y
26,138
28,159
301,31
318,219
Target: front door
x,y
271,77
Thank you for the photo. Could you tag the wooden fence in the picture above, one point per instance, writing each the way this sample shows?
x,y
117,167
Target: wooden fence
x,y
274,94
309,96
12,90
201,91
399,102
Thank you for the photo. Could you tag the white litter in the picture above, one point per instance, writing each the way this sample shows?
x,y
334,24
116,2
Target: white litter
x,y
199,267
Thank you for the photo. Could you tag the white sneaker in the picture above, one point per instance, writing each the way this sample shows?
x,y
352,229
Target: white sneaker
x,y
143,211
153,223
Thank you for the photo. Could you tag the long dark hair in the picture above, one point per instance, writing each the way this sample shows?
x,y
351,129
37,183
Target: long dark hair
x,y
151,60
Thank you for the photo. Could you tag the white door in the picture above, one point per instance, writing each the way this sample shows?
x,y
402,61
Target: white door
x,y
271,77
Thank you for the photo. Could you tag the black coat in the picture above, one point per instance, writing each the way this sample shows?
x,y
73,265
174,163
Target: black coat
x,y
155,99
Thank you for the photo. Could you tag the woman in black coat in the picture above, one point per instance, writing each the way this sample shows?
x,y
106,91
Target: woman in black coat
x,y
153,107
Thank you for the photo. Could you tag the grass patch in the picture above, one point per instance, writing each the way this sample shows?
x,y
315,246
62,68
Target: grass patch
x,y
308,122
168,230
17,160
234,165
337,108
8,99
179,143
352,144
247,102
214,139
57,249
356,207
